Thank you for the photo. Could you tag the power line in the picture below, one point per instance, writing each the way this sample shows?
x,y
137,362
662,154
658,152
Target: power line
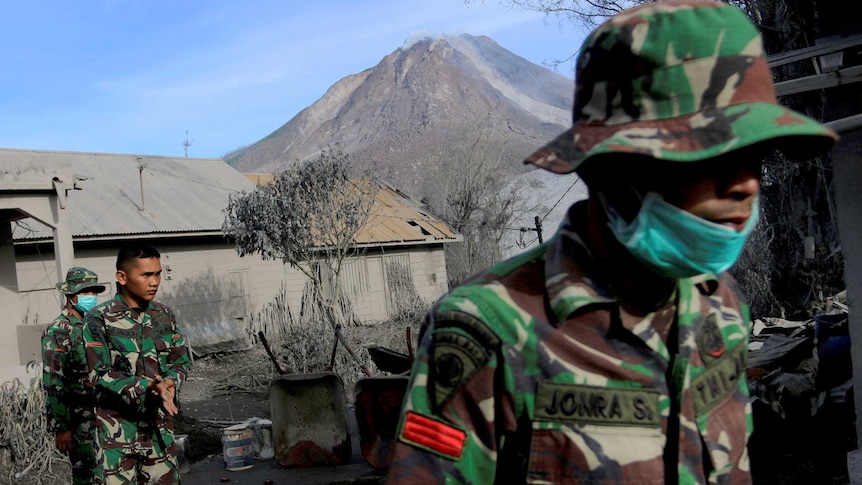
x,y
561,198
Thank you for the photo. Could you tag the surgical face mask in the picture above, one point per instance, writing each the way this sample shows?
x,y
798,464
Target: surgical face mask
x,y
86,302
676,243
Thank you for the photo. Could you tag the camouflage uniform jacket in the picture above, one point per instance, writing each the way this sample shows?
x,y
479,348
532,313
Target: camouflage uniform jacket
x,y
126,349
68,397
521,382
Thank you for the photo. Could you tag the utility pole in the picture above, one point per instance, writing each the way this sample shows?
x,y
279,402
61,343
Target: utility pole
x,y
538,230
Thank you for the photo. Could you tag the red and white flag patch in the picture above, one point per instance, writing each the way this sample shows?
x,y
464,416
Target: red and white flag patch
x,y
433,435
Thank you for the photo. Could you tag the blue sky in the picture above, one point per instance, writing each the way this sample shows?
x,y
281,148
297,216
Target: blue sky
x,y
132,76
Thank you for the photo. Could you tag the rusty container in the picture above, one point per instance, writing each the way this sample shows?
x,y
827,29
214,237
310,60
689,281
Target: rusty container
x,y
378,407
310,424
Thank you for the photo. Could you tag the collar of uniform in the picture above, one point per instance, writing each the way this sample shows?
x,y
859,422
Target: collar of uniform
x,y
568,264
567,259
124,307
707,284
70,316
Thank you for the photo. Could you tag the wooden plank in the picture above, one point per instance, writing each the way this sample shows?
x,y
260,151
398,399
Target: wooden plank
x,y
827,47
844,125
842,77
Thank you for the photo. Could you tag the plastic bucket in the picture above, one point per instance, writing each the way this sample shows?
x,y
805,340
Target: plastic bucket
x,y
238,442
262,437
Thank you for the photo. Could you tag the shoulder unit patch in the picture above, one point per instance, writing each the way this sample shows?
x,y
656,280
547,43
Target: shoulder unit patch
x,y
454,359
710,342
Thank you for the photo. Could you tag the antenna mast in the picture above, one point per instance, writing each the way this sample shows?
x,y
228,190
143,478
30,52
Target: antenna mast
x,y
187,143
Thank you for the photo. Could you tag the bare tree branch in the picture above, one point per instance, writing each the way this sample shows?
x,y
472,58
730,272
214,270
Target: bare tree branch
x,y
307,217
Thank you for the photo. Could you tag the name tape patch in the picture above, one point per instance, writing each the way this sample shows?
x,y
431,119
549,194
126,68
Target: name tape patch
x,y
584,404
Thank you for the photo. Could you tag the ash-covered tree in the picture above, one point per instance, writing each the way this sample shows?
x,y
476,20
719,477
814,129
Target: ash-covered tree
x,y
307,217
470,187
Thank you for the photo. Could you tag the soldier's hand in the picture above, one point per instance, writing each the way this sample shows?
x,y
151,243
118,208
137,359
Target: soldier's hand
x,y
63,440
170,389
166,390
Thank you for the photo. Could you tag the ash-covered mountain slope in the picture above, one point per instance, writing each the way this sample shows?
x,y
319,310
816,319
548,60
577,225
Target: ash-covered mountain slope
x,y
421,103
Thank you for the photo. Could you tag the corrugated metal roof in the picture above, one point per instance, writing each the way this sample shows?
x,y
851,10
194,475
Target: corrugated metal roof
x,y
180,195
189,195
395,218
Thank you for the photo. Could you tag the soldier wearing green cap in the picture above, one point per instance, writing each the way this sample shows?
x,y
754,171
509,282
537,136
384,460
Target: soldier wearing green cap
x,y
68,395
616,351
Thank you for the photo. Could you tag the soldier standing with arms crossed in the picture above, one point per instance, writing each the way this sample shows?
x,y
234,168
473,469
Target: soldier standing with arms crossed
x,y
138,361
615,353
68,394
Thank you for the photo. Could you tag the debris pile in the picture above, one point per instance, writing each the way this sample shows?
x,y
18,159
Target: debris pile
x,y
800,377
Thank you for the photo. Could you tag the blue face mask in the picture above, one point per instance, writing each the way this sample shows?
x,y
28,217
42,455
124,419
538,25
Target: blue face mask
x,y
86,302
676,243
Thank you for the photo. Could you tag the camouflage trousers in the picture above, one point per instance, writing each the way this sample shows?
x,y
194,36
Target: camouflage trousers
x,y
131,452
83,453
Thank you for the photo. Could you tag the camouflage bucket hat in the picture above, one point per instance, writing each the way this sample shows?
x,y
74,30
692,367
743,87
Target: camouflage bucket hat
x,y
680,81
79,279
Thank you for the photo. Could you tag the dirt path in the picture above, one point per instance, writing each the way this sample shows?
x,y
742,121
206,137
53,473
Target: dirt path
x,y
216,396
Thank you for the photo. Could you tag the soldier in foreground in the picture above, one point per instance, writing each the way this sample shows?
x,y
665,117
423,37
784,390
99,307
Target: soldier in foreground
x,y
616,351
138,361
68,395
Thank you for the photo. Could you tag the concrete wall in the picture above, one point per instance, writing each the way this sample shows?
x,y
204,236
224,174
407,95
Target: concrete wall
x,y
8,299
30,187
216,294
205,284
37,277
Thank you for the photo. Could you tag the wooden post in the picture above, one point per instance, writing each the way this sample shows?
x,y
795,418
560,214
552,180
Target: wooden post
x,y
539,229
